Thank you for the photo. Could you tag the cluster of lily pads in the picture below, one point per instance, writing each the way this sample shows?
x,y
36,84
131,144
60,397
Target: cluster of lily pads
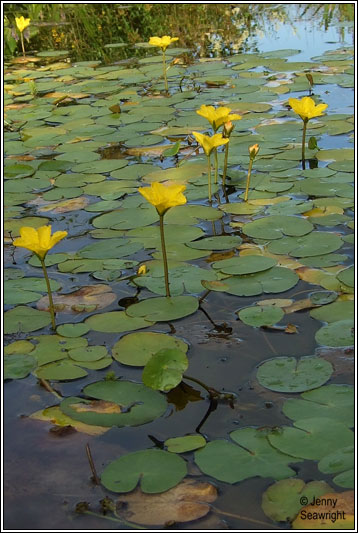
x,y
261,236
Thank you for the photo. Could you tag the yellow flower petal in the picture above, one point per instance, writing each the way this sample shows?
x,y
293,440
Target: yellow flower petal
x,y
306,107
162,42
38,241
22,23
217,117
209,143
163,197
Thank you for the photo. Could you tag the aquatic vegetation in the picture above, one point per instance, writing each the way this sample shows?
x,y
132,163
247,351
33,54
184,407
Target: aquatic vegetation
x,y
163,43
253,151
210,143
22,24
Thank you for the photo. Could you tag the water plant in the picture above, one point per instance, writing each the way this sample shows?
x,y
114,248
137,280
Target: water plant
x,y
40,241
306,109
163,197
163,43
22,24
209,143
253,151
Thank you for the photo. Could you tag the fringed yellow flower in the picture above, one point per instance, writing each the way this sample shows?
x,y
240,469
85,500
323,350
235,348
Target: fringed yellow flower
x,y
40,240
162,42
217,117
209,143
22,23
306,107
163,197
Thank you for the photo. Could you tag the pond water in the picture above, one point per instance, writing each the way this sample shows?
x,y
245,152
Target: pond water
x,y
73,162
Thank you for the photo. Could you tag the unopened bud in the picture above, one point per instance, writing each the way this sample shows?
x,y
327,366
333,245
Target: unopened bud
x,y
254,150
228,129
142,270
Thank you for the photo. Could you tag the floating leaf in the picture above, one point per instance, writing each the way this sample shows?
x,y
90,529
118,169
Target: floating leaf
x,y
312,438
136,349
329,313
185,444
287,374
18,366
165,369
245,264
251,456
258,316
346,276
87,298
116,403
275,226
163,309
341,460
72,330
56,416
330,401
282,500
117,322
155,470
222,242
339,333
317,243
60,371
23,319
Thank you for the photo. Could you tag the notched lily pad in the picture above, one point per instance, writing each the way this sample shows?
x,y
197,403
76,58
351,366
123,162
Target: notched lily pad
x,y
136,349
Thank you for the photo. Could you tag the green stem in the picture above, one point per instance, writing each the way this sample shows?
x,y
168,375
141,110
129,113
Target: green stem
x,y
216,166
165,261
225,164
304,140
209,178
248,180
165,73
52,308
210,390
22,44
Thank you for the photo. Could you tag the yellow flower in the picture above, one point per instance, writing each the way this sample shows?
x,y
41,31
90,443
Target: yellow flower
x,y
40,240
209,143
254,150
22,23
163,197
218,116
162,42
228,129
142,270
306,108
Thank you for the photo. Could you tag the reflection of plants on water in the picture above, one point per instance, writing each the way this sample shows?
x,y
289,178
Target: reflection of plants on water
x,y
331,14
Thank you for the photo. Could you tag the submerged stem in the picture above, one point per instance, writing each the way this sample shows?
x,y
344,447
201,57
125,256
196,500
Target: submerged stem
x,y
213,392
164,252
52,308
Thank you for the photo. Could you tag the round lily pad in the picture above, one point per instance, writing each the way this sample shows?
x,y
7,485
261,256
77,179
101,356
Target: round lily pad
x,y
337,461
23,319
287,374
163,309
60,371
346,276
18,366
116,403
73,330
88,353
117,322
333,311
222,242
248,264
136,349
275,226
340,333
155,470
258,316
185,444
165,369
316,243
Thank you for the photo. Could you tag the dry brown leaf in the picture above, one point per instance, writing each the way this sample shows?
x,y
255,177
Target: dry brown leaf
x,y
218,256
299,305
342,359
186,502
97,406
277,302
291,328
65,206
147,150
57,417
94,296
21,157
268,201
324,514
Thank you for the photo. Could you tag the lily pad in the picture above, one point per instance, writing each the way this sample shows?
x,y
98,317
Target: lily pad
x,y
72,330
163,309
275,226
258,316
18,366
165,369
346,276
312,438
222,242
155,470
340,333
316,243
136,349
287,374
117,322
23,319
250,456
330,401
116,403
244,264
60,371
329,313
340,462
185,444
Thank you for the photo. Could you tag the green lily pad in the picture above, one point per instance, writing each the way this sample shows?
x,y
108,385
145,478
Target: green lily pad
x,y
340,333
18,347
18,366
244,265
346,276
312,438
341,154
127,218
274,280
117,322
73,330
60,371
23,319
331,401
329,313
321,261
163,309
287,374
258,316
110,248
291,207
150,236
282,501
316,243
251,456
121,403
222,242
185,444
88,353
155,470
136,349
341,460
165,369
276,226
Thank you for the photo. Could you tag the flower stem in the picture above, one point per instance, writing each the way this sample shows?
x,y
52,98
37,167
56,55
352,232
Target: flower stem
x,y
165,261
52,308
213,392
165,73
225,164
22,44
216,166
304,140
248,179
209,178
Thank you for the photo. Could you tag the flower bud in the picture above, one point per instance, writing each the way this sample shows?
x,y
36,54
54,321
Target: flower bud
x,y
142,270
228,129
254,150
